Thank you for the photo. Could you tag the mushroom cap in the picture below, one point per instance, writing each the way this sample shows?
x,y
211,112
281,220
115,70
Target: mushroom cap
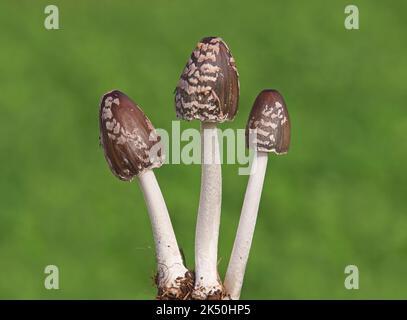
x,y
127,137
269,116
208,89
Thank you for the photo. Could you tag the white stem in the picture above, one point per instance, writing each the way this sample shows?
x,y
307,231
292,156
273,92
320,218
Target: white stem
x,y
207,228
169,259
241,248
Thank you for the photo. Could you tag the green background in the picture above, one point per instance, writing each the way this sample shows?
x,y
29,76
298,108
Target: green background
x,y
337,198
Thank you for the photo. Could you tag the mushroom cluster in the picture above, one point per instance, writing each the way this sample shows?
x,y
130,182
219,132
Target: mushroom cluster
x,y
208,91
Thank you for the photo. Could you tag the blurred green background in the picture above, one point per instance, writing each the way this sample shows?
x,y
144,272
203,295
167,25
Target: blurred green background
x,y
337,198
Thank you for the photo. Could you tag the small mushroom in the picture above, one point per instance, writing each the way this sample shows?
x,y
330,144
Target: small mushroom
x,y
128,139
208,91
270,125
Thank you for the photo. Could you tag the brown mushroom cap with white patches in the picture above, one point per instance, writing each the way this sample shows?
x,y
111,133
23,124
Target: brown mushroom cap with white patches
x,y
127,136
269,116
208,89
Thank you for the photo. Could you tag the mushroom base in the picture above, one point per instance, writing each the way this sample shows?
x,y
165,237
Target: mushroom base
x,y
206,291
183,289
203,294
180,290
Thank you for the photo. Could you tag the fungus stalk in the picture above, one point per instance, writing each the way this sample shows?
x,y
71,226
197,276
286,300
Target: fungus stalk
x,y
171,269
244,236
208,221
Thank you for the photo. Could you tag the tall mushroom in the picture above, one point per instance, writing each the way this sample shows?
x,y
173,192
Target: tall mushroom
x,y
270,125
128,137
208,90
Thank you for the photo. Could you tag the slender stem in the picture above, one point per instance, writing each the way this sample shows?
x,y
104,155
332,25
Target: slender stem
x,y
207,227
241,248
169,259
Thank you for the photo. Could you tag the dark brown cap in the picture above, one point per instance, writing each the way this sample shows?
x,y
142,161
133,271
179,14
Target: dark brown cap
x,y
127,136
269,116
208,89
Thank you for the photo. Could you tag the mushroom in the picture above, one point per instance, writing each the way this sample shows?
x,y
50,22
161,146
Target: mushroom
x,y
208,91
127,137
270,125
